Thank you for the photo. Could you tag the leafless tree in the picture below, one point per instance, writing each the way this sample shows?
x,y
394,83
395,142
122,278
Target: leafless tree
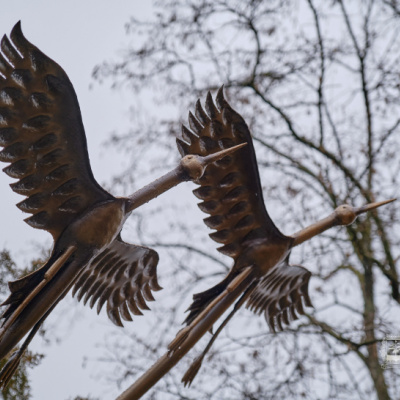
x,y
319,85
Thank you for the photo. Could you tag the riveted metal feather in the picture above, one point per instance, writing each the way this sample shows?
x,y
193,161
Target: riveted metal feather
x,y
140,301
187,135
37,123
194,124
215,221
201,115
8,136
280,294
67,188
44,142
22,77
114,316
19,169
40,101
50,160
123,273
221,236
59,174
212,111
204,192
33,203
71,205
209,207
9,96
26,186
133,307
5,67
232,249
124,311
13,152
183,147
9,51
41,220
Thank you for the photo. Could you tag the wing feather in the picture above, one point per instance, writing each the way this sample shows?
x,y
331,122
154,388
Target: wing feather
x,y
123,276
280,295
230,189
43,137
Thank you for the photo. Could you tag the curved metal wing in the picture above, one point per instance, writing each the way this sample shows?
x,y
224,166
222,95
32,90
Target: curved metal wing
x,y
280,293
123,275
43,137
230,188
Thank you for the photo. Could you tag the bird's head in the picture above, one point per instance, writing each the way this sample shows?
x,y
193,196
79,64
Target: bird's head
x,y
194,165
347,214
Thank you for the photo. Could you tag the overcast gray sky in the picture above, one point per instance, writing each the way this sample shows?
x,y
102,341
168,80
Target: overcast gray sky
x,y
77,34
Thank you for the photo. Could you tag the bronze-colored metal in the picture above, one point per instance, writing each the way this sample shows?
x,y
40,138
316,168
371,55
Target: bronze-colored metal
x,y
231,194
170,359
44,141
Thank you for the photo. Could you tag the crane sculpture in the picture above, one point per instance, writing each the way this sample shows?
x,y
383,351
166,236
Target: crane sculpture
x,y
261,274
43,137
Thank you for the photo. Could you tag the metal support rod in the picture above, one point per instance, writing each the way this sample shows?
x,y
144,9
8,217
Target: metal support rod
x,y
171,358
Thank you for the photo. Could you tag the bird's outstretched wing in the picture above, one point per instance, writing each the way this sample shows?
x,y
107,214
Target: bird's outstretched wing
x,y
280,294
123,275
230,188
43,137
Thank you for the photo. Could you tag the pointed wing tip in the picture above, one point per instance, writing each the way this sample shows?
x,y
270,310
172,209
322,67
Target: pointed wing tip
x,y
220,99
16,32
220,94
17,28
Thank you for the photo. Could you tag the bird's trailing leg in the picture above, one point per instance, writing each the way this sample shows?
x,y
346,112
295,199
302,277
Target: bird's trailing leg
x,y
194,368
191,167
12,364
50,273
183,333
171,358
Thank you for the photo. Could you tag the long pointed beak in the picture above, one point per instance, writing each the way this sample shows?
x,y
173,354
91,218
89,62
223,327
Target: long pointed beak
x,y
221,154
372,206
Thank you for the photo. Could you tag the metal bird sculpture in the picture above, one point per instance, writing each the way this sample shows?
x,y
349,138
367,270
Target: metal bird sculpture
x,y
231,194
43,137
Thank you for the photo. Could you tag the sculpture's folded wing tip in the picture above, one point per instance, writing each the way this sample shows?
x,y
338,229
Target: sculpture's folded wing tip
x,y
280,295
123,276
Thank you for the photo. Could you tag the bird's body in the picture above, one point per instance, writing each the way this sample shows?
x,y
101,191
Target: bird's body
x,y
264,254
261,275
107,217
44,141
232,195
85,242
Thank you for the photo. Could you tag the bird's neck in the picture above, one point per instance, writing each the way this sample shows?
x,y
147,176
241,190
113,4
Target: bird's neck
x,y
315,229
155,188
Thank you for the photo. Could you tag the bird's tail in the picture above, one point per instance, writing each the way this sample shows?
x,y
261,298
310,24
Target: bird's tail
x,y
203,299
28,305
20,289
23,290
